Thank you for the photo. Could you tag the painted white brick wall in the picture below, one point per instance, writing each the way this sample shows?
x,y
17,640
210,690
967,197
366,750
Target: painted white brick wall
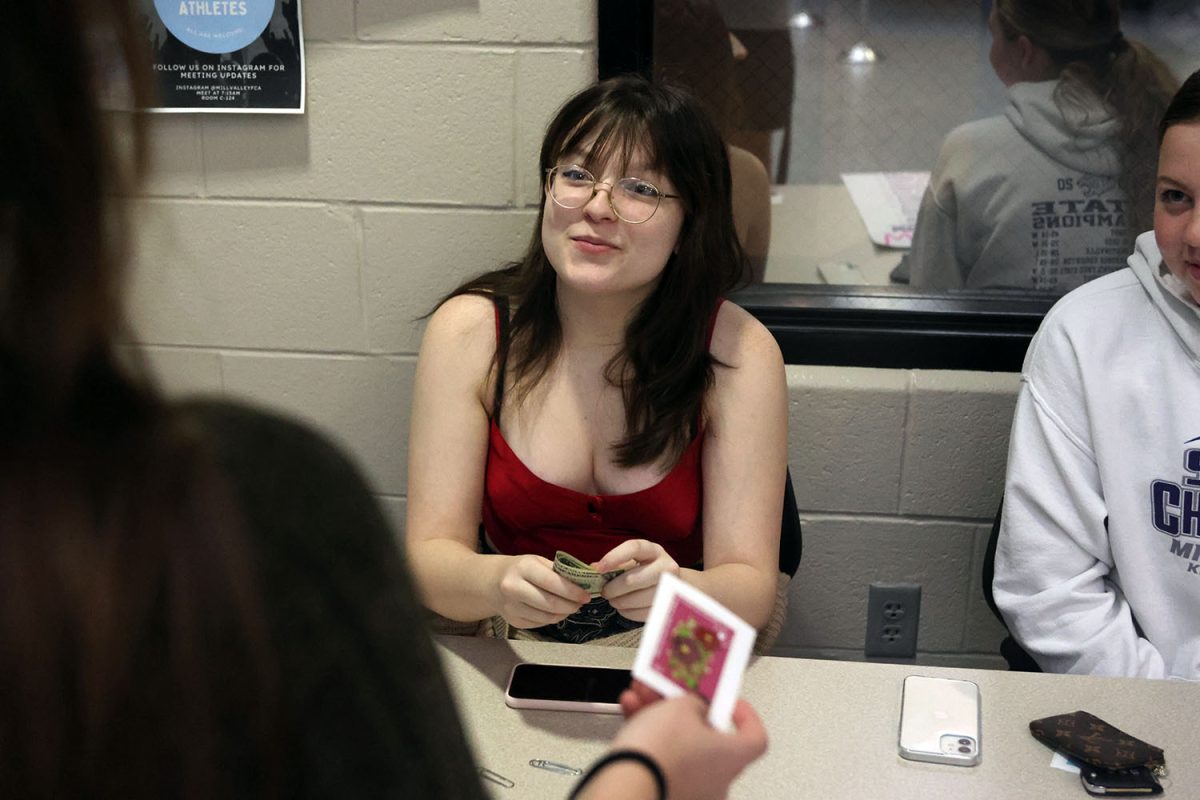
x,y
413,256
287,259
250,274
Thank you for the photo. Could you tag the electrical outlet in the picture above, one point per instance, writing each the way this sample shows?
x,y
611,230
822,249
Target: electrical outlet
x,y
893,617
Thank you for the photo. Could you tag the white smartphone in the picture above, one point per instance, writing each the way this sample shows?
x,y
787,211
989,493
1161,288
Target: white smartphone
x,y
940,720
566,687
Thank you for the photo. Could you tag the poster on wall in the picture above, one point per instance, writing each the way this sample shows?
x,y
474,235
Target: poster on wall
x,y
227,56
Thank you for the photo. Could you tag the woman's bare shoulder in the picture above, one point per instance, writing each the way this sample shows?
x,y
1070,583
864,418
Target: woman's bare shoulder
x,y
750,381
464,315
461,337
465,312
739,339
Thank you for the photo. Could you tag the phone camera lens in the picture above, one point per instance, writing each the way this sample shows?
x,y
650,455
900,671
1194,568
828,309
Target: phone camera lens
x,y
964,749
966,742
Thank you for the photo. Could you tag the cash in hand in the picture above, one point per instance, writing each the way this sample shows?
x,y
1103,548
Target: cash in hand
x,y
581,574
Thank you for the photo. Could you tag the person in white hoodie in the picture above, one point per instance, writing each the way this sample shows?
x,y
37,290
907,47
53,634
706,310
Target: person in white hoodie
x,y
1098,556
1050,194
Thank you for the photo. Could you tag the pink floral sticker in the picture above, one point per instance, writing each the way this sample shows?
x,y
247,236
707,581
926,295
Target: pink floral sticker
x,y
693,650
693,644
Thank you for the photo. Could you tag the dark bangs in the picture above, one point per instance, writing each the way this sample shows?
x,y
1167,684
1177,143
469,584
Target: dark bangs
x,y
616,122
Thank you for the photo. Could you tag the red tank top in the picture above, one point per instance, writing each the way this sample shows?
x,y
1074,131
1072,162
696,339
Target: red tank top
x,y
524,514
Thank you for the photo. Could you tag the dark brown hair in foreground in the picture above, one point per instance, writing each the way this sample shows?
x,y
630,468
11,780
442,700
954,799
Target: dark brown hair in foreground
x,y
131,639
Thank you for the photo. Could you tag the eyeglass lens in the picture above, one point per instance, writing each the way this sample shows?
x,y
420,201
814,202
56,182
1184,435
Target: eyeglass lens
x,y
632,199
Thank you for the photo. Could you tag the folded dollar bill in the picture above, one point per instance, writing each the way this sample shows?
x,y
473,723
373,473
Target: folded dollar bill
x,y
581,573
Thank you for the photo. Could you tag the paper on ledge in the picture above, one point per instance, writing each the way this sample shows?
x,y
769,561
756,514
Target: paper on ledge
x,y
888,203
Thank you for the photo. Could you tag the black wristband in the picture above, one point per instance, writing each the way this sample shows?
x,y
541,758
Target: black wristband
x,y
646,761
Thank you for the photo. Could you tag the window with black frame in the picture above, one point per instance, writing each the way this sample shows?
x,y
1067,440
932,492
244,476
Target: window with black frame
x,y
917,181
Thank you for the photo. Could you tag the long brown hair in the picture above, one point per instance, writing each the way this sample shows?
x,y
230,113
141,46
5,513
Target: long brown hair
x,y
1084,39
664,367
131,637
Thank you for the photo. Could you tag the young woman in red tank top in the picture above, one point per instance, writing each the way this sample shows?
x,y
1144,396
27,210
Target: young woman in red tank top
x,y
598,396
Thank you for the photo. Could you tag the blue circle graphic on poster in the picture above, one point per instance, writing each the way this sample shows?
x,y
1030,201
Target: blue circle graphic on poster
x,y
215,26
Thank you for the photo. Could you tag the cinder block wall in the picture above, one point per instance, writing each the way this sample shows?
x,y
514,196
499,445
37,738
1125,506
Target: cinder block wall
x,y
285,260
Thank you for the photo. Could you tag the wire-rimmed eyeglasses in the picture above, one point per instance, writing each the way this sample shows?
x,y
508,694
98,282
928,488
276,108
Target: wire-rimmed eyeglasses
x,y
632,199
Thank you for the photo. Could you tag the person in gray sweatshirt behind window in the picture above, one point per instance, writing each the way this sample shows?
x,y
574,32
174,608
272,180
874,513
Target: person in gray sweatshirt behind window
x,y
1051,193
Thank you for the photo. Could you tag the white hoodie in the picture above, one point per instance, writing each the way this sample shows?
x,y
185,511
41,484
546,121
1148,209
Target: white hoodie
x,y
1098,561
1028,200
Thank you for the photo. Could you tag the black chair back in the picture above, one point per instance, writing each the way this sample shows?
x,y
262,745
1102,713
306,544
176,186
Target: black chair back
x,y
790,543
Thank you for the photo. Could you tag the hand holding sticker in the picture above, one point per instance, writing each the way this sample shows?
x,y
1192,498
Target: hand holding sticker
x,y
691,643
